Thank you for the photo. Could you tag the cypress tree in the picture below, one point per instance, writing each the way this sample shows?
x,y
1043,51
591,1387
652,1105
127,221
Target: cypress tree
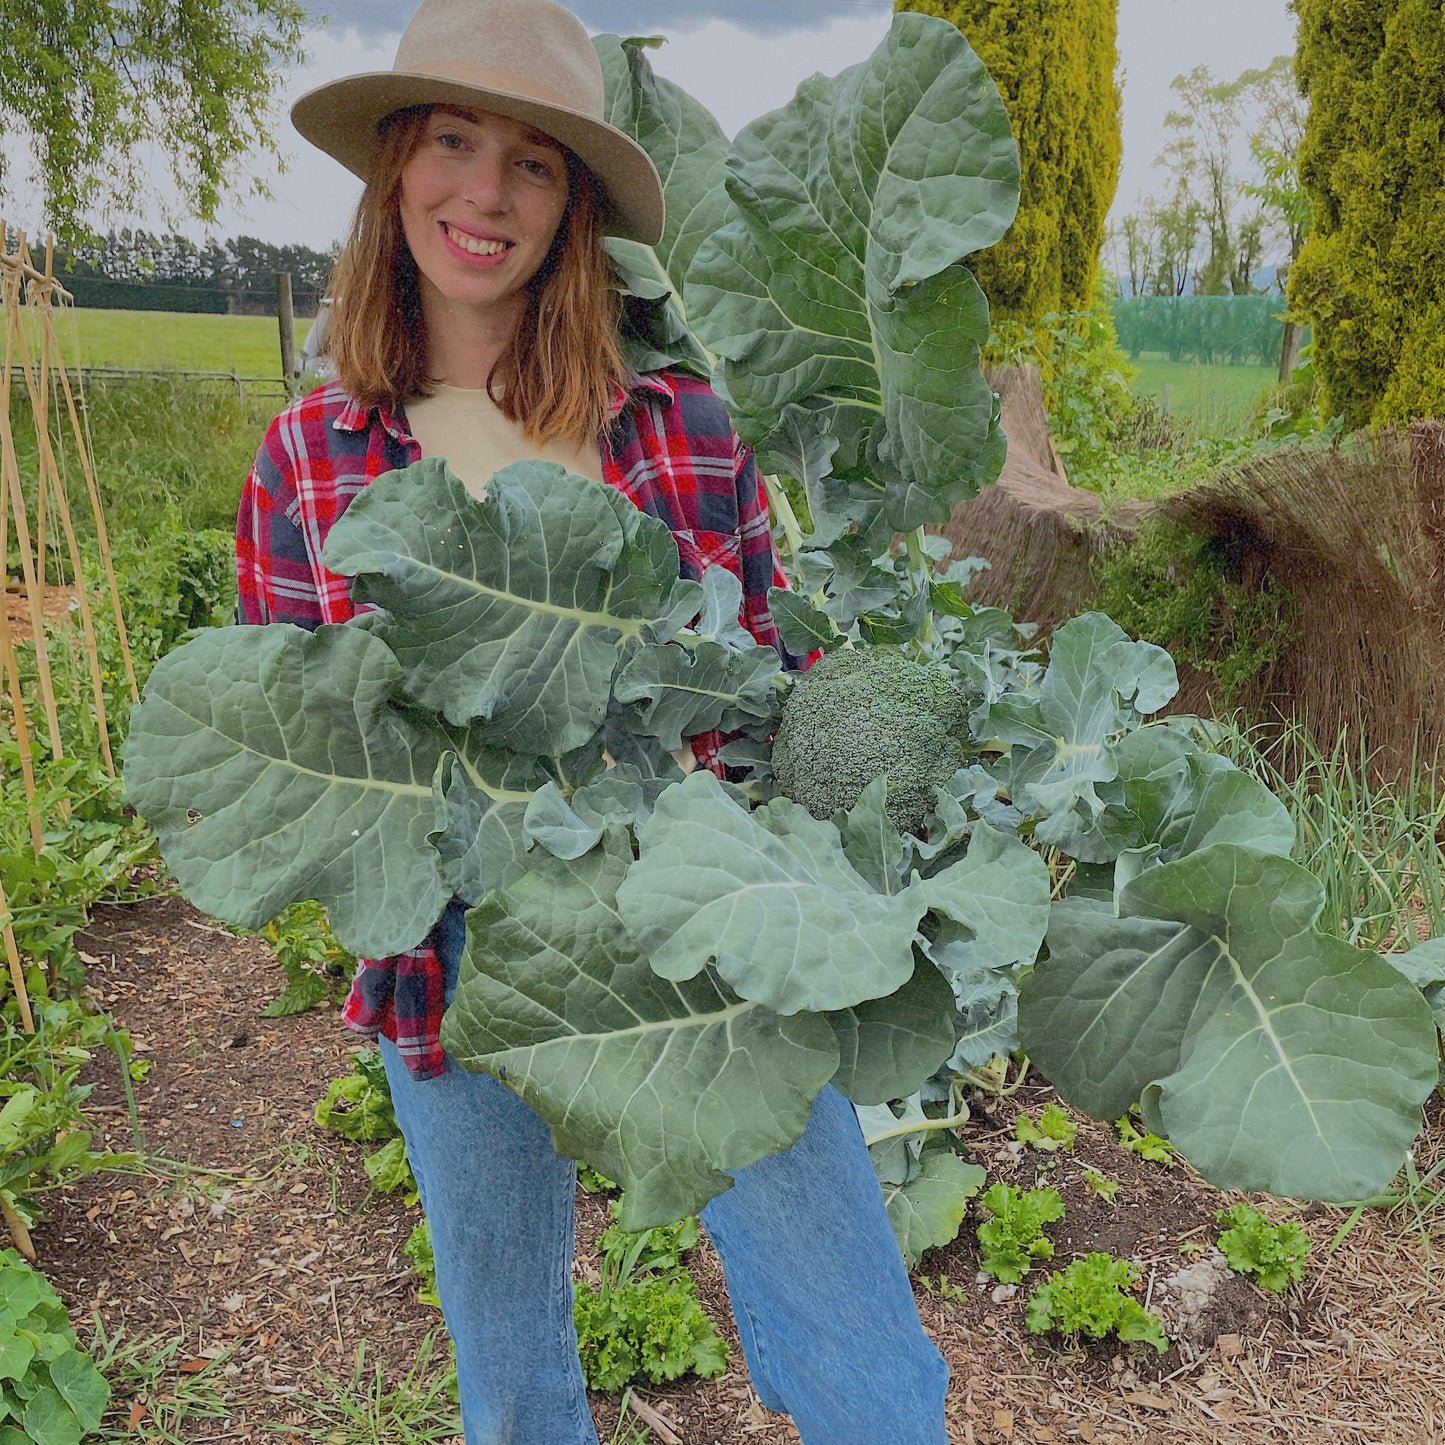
x,y
1055,66
1371,278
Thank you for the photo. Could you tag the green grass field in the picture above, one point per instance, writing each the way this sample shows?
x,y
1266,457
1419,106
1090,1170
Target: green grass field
x,y
1217,399
163,340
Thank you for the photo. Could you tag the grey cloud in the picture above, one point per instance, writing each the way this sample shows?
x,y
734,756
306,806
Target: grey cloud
x,y
373,19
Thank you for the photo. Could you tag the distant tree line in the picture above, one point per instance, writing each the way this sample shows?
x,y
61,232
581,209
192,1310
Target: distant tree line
x,y
129,269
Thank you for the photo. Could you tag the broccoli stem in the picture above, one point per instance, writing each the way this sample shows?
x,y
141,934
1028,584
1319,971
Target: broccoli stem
x,y
782,509
920,568
956,1121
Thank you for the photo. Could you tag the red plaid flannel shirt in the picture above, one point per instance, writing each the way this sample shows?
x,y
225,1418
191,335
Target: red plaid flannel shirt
x,y
671,450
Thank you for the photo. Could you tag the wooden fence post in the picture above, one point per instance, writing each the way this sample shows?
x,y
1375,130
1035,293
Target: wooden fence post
x,y
286,321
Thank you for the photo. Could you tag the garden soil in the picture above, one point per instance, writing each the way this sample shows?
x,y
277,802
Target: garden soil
x,y
244,1261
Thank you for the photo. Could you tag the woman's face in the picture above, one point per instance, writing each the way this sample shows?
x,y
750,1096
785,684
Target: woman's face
x,y
481,199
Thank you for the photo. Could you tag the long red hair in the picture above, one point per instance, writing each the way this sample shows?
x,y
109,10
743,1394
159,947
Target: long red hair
x,y
557,378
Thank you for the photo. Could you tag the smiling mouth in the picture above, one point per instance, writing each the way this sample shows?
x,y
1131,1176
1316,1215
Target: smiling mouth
x,y
474,244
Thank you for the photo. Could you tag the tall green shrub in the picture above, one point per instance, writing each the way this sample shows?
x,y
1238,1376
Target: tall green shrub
x,y
1373,160
1054,65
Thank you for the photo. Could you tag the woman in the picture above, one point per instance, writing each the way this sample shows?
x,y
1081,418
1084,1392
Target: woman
x,y
474,318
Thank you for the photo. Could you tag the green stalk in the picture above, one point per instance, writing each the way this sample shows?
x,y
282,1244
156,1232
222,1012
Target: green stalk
x,y
920,568
782,509
957,1121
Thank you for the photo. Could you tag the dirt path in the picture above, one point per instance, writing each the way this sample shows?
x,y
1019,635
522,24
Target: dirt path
x,y
276,1283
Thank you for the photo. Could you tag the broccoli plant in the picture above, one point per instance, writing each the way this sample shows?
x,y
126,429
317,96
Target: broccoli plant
x,y
1273,1253
1090,1298
1013,1240
640,942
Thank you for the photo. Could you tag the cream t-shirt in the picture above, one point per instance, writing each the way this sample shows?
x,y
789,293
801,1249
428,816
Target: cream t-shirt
x,y
478,439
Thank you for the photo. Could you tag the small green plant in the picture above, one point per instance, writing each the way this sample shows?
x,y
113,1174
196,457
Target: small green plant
x,y
418,1249
1089,1298
44,1138
389,1169
358,1105
317,967
590,1181
1273,1253
1054,1129
1146,1145
942,1288
1013,1239
50,1390
1107,1189
643,1320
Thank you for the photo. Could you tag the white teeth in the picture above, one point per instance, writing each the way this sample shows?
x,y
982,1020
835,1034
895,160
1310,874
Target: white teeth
x,y
476,246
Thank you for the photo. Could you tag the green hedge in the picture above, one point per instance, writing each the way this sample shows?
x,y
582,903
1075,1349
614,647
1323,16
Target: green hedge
x,y
1237,330
127,296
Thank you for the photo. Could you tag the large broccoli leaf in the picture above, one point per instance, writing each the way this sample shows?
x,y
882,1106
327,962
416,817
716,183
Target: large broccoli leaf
x,y
688,148
769,897
662,1086
842,280
686,145
507,613
888,1047
274,767
1275,1058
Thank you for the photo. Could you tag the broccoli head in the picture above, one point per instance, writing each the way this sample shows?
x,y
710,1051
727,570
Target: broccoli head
x,y
860,712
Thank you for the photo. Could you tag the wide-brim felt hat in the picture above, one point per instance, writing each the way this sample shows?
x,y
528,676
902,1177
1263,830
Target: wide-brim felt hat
x,y
530,60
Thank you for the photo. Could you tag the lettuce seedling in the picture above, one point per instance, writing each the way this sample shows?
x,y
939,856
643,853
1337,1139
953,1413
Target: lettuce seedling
x,y
1014,1238
1054,1130
1088,1298
1273,1253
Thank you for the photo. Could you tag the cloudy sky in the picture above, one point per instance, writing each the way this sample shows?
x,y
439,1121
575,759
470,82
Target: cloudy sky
x,y
744,57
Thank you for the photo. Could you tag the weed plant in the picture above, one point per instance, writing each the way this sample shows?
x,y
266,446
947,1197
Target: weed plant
x,y
1374,845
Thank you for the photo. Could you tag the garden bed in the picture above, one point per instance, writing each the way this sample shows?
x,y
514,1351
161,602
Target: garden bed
x,y
257,1287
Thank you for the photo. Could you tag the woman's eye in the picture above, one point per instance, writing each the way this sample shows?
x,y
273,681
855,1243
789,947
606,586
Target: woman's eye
x,y
537,168
450,140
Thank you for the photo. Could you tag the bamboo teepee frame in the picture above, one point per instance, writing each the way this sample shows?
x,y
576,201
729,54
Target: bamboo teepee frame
x,y
34,355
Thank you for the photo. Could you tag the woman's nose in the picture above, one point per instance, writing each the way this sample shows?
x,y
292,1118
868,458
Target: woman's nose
x,y
484,183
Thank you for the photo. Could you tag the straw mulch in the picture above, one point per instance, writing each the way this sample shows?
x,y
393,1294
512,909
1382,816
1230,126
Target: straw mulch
x,y
1358,534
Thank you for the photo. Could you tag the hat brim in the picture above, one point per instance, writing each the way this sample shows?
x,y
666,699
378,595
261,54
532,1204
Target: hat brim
x,y
343,116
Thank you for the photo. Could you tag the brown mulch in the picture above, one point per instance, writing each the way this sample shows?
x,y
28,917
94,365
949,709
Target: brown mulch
x,y
262,1254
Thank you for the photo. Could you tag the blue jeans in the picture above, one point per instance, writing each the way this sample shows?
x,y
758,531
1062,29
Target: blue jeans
x,y
822,1301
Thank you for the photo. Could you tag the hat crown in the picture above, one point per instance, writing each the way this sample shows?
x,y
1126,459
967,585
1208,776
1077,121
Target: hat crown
x,y
540,43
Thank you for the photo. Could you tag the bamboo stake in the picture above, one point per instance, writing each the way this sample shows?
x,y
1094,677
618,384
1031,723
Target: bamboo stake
x,y
87,466
11,468
21,264
50,474
41,416
17,973
10,665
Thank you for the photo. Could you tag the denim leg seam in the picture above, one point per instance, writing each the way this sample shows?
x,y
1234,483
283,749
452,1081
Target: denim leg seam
x,y
581,1412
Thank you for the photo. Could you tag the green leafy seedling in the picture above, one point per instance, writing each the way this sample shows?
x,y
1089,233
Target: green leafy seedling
x,y
1146,1145
1273,1253
1107,1189
942,1288
643,1320
418,1250
1090,1298
1013,1239
1054,1129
